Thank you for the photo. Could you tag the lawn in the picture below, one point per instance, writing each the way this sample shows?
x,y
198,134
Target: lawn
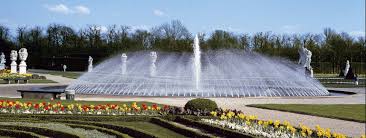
x,y
72,75
157,130
30,81
351,112
67,74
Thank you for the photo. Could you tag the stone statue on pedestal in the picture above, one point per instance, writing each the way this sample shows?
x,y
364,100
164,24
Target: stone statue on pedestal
x,y
124,63
153,57
64,67
13,58
346,69
305,60
90,66
23,55
2,61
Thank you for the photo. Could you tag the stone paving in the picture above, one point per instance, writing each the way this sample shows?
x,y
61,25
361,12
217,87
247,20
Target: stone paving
x,y
350,128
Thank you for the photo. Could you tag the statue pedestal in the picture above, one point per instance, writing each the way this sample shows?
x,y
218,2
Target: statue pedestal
x,y
311,73
22,68
90,68
13,67
2,66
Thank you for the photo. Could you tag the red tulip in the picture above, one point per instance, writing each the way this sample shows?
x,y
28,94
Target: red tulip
x,y
155,106
36,106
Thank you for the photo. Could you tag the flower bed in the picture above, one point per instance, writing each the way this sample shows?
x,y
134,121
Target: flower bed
x,y
7,76
17,107
249,124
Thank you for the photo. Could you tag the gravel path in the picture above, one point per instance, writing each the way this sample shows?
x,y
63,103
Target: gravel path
x,y
350,128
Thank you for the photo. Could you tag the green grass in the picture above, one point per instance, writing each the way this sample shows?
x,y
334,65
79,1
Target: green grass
x,y
321,75
152,128
77,102
344,85
30,81
351,112
72,75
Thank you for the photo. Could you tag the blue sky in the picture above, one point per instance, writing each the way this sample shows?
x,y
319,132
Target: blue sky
x,y
240,16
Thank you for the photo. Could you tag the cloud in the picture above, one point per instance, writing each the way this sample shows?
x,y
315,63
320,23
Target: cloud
x,y
103,29
64,9
223,27
60,8
158,12
139,27
357,33
290,28
82,9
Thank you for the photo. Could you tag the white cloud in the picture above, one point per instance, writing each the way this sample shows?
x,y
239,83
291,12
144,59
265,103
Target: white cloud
x,y
291,28
223,27
64,9
103,29
82,9
60,8
357,33
139,27
158,12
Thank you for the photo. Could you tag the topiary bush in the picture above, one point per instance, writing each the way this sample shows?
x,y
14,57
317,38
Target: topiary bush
x,y
201,105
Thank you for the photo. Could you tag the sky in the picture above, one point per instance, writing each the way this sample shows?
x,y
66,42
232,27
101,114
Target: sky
x,y
238,16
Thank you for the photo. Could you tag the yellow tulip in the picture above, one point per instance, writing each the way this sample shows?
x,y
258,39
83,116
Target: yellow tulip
x,y
277,123
260,122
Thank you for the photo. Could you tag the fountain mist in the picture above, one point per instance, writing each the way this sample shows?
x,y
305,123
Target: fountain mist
x,y
224,73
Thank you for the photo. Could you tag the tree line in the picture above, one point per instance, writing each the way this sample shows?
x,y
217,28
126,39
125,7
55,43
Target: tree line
x,y
58,44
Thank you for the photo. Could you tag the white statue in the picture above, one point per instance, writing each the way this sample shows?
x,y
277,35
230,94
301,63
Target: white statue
x,y
64,67
90,66
2,61
23,55
305,59
124,63
153,57
346,69
13,58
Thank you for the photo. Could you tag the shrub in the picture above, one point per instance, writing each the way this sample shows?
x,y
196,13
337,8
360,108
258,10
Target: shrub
x,y
201,105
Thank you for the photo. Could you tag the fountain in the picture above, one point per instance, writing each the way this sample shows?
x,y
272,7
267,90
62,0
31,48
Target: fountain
x,y
223,73
124,63
197,62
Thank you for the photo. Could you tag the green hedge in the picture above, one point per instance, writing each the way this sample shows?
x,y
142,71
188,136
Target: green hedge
x,y
101,129
179,129
19,133
201,104
212,129
98,118
41,131
127,130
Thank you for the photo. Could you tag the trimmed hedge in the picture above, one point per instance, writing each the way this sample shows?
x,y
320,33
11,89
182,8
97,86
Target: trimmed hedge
x,y
201,104
98,118
19,133
41,131
127,130
101,129
179,129
212,129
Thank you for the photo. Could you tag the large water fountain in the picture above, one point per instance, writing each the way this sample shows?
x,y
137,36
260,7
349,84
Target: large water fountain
x,y
224,73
